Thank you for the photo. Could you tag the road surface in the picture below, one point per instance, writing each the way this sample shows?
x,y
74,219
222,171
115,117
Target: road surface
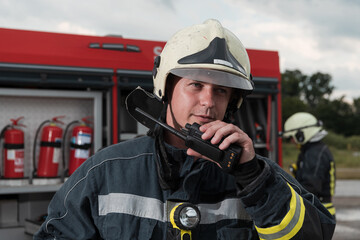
x,y
347,204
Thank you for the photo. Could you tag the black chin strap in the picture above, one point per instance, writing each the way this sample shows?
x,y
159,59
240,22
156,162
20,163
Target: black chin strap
x,y
176,124
168,172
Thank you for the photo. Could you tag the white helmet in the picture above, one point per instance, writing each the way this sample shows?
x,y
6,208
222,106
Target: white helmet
x,y
206,52
302,127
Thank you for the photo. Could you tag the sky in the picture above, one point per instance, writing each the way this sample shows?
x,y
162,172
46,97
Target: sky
x,y
309,35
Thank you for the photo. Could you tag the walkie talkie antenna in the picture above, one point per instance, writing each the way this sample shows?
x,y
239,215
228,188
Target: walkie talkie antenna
x,y
167,127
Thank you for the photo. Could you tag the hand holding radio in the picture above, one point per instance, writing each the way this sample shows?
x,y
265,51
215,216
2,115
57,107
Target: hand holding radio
x,y
226,137
227,152
226,158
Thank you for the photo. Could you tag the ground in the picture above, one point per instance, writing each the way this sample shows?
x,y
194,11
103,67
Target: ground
x,y
347,204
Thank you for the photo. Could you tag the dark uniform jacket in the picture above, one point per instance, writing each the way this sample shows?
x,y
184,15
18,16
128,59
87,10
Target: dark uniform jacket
x,y
116,194
316,171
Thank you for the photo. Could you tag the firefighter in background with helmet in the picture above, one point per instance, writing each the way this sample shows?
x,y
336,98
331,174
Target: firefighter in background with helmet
x,y
315,167
154,187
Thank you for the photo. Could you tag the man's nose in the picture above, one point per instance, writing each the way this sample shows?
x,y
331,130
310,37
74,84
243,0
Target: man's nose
x,y
207,97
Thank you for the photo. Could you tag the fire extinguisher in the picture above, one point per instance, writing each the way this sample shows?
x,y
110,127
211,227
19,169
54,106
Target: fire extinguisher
x,y
13,149
80,143
50,148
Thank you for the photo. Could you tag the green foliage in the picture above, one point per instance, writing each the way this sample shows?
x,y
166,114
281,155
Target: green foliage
x,y
301,93
311,89
345,159
353,143
335,140
337,116
356,105
290,154
290,83
346,151
316,87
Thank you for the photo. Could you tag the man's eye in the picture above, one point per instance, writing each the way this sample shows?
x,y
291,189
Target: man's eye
x,y
195,84
221,90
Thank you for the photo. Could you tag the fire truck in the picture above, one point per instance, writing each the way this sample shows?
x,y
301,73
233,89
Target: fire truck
x,y
64,78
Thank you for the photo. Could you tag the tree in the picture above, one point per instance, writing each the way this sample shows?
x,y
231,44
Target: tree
x,y
356,105
337,115
356,118
290,83
291,105
291,92
316,87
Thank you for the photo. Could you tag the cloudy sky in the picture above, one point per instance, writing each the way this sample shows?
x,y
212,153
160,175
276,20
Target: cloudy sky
x,y
310,35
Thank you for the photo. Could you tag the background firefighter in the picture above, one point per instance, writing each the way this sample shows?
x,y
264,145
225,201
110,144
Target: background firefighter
x,y
315,167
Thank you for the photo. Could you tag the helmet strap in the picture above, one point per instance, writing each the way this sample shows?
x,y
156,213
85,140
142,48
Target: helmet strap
x,y
175,122
232,107
167,171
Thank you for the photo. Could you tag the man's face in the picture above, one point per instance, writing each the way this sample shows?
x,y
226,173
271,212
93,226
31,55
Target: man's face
x,y
193,101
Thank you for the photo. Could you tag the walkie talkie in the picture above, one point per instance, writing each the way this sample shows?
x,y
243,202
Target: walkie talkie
x,y
191,134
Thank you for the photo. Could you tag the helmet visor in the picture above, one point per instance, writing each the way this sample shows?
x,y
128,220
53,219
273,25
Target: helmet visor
x,y
216,77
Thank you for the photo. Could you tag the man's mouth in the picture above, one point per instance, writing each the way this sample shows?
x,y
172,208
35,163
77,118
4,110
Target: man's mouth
x,y
205,118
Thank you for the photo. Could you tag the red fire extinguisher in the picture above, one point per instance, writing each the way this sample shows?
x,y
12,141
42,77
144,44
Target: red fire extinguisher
x,y
13,149
80,143
50,148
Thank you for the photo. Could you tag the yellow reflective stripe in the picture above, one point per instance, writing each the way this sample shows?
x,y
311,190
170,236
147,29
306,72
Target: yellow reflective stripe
x,y
330,207
327,205
291,223
332,178
332,211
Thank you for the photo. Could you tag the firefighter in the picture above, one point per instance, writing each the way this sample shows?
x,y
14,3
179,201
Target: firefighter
x,y
154,187
315,167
